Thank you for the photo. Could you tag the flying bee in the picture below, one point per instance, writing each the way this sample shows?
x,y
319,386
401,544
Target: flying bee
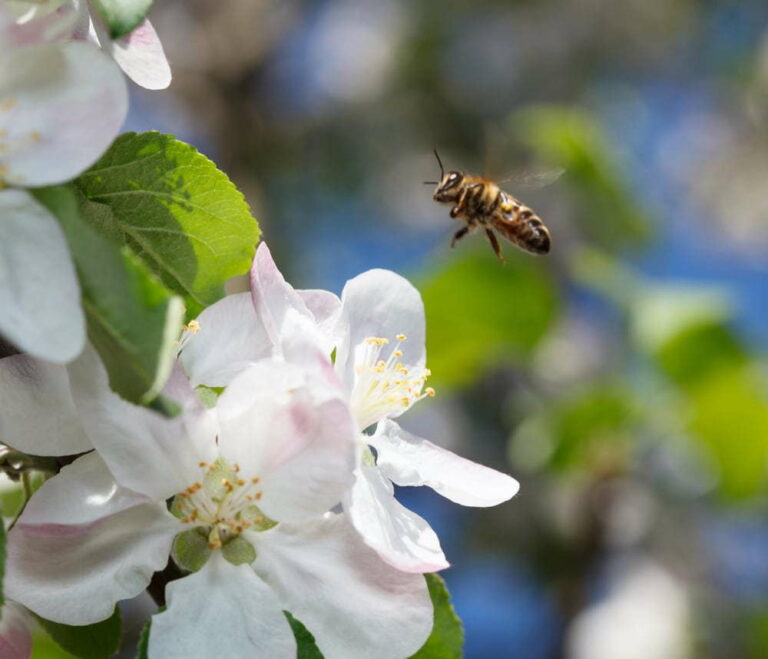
x,y
481,203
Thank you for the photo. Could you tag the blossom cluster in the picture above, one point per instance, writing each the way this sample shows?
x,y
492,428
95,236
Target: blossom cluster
x,y
272,488
63,100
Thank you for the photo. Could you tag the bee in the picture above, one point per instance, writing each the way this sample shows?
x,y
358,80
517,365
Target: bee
x,y
481,203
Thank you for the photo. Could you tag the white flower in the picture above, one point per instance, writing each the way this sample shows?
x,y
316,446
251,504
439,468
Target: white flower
x,y
377,331
61,104
39,293
140,54
15,632
249,484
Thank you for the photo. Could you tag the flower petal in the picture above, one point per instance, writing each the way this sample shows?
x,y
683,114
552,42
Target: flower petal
x,y
272,296
81,493
145,451
410,460
15,632
354,604
223,610
401,537
39,294
325,308
230,339
76,574
379,303
38,415
64,104
139,54
302,448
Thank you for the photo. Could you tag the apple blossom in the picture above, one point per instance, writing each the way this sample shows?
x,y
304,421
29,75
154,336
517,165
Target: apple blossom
x,y
15,632
39,293
376,332
139,54
249,483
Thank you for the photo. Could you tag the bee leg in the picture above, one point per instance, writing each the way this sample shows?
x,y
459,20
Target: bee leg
x,y
495,244
459,207
459,235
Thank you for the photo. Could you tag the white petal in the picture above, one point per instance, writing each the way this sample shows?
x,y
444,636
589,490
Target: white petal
x,y
76,574
65,103
302,449
15,632
410,460
379,303
354,604
81,493
230,339
37,414
401,537
272,296
139,54
39,294
145,451
223,610
325,308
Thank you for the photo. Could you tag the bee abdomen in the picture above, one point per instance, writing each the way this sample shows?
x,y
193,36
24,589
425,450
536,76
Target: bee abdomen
x,y
537,238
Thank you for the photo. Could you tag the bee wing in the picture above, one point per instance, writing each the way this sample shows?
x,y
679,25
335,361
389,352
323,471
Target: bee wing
x,y
524,178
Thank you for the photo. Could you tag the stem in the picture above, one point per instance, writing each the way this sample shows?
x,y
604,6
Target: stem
x,y
26,484
156,588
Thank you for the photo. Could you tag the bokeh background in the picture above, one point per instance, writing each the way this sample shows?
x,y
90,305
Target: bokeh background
x,y
622,378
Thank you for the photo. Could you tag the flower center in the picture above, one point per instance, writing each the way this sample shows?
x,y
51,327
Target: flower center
x,y
222,505
384,387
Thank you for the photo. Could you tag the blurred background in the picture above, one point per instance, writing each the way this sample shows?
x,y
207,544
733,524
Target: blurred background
x,y
622,378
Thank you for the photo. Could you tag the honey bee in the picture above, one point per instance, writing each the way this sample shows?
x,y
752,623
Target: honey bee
x,y
480,202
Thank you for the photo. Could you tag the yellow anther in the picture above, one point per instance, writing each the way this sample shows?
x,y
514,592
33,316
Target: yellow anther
x,y
192,326
429,391
202,464
401,337
240,482
257,496
255,480
398,353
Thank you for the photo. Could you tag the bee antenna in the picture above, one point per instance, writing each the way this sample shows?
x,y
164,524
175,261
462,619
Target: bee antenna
x,y
439,162
430,182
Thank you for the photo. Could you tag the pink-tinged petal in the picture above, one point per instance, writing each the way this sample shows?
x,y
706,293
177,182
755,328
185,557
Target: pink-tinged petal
x,y
76,574
223,610
36,23
229,339
401,537
409,460
145,451
37,414
81,493
39,294
272,296
353,603
379,303
63,104
139,54
15,632
302,448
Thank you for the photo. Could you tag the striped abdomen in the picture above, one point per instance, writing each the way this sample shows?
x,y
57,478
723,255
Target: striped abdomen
x,y
520,225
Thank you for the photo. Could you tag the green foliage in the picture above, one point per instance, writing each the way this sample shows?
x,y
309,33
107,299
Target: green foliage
x,y
122,16
606,208
306,647
96,641
478,311
589,429
447,638
133,320
183,217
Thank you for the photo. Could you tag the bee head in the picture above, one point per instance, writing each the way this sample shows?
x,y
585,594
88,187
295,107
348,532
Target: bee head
x,y
449,188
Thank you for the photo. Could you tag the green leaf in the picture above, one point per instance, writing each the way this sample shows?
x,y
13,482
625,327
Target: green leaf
x,y
96,641
606,206
174,209
133,320
447,638
307,648
122,16
479,311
